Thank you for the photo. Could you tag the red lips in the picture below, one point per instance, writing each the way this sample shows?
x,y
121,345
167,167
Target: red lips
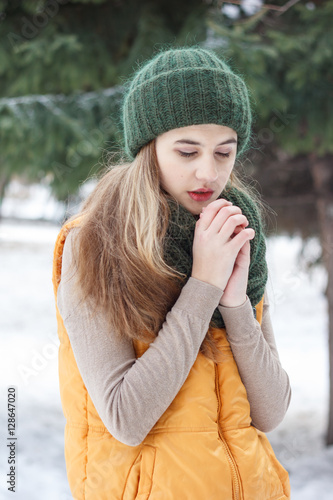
x,y
201,194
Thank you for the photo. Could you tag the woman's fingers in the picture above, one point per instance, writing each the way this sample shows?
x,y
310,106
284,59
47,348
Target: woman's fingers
x,y
222,216
209,213
221,239
238,229
241,238
228,228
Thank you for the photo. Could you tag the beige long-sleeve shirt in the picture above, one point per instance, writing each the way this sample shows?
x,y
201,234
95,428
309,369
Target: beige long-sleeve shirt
x,y
131,394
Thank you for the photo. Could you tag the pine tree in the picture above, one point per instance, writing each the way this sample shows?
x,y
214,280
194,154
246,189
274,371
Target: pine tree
x,y
68,61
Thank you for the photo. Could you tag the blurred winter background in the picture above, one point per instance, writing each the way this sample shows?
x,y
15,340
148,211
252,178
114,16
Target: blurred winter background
x,y
63,64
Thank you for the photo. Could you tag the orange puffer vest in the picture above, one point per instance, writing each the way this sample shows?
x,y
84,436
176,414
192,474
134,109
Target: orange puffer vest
x,y
202,448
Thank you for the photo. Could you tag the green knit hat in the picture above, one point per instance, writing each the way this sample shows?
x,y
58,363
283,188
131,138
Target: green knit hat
x,y
181,87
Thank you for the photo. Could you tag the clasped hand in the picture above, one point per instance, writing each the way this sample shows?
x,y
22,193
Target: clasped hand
x,y
221,250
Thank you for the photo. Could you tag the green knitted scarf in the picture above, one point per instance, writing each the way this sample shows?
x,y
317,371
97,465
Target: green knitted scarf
x,y
179,240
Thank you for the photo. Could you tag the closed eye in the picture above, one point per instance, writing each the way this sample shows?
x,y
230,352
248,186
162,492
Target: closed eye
x,y
182,153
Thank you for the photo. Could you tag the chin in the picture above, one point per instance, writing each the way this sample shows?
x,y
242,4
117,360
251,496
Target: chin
x,y
193,210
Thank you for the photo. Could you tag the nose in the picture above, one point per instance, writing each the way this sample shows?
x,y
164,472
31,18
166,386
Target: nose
x,y
207,171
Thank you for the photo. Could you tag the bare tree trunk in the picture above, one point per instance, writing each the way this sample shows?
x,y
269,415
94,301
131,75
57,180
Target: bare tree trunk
x,y
322,173
4,181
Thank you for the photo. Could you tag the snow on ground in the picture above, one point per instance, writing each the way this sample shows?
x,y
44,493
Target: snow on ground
x,y
29,362
31,201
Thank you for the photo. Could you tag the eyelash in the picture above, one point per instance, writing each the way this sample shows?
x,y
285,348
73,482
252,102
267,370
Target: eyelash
x,y
182,153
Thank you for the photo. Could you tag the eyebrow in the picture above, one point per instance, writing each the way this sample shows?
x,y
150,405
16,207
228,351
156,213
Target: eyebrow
x,y
189,141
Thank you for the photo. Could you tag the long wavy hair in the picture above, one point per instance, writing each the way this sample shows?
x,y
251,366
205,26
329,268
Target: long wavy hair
x,y
118,251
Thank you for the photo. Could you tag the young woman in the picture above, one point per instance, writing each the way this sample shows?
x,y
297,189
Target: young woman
x,y
169,372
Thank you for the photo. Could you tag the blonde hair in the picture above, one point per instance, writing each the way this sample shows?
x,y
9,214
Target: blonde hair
x,y
118,252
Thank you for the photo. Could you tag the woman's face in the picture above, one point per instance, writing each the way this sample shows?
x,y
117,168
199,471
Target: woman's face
x,y
195,163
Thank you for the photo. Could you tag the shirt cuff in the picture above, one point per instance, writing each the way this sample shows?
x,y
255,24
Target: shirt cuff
x,y
199,298
239,320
